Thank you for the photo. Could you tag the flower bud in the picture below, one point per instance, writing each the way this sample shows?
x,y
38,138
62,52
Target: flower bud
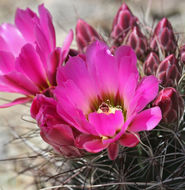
x,y
123,22
53,129
138,42
182,54
171,104
85,35
169,71
151,64
164,38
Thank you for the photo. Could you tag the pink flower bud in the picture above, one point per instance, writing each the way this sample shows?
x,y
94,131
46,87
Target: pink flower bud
x,y
138,42
151,64
182,54
171,104
169,71
164,37
85,35
53,129
123,22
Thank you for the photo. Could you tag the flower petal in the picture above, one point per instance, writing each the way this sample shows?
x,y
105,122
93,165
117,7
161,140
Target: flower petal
x,y
95,146
68,107
25,21
13,38
129,140
66,46
146,120
30,64
39,101
102,67
113,151
146,91
47,26
7,62
82,139
52,65
128,73
74,68
17,101
60,134
106,124
17,82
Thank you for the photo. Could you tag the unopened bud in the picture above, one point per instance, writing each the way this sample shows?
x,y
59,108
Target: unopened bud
x,y
164,38
169,71
182,54
138,42
122,24
85,35
171,104
151,64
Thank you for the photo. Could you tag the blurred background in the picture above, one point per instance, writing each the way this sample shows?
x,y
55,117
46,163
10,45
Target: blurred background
x,y
98,13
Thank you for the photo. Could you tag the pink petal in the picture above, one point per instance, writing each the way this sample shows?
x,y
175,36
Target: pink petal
x,y
25,21
39,101
102,66
70,112
47,26
74,95
106,124
70,151
4,45
113,151
7,62
129,140
66,150
66,46
74,68
17,82
82,139
13,38
17,101
128,53
146,120
52,65
95,146
42,47
121,132
146,91
30,64
128,73
59,134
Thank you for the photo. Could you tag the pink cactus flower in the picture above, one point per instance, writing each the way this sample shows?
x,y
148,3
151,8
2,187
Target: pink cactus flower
x,y
28,54
102,98
53,129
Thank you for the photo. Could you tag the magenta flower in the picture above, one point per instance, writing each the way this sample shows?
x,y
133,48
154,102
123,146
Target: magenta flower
x,y
28,54
102,98
53,129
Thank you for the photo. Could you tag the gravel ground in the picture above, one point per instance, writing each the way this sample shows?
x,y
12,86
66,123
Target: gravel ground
x,y
98,13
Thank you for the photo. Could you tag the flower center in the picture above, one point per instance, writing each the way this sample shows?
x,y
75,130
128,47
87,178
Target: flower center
x,y
107,109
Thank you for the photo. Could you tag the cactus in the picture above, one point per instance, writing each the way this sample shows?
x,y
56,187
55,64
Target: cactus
x,y
77,158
